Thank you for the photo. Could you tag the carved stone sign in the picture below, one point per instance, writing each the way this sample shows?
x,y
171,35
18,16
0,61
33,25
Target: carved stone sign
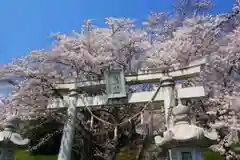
x,y
115,84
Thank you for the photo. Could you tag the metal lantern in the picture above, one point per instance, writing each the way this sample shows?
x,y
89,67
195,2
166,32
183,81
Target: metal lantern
x,y
115,83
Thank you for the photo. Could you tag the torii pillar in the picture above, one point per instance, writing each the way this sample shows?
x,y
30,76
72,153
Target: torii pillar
x,y
168,86
69,128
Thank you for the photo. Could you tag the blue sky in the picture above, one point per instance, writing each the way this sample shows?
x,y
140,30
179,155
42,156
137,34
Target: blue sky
x,y
26,24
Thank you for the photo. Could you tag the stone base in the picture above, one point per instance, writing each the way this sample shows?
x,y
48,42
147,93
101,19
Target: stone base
x,y
186,154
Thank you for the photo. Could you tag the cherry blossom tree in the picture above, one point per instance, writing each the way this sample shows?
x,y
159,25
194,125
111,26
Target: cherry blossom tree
x,y
225,91
79,56
166,40
188,8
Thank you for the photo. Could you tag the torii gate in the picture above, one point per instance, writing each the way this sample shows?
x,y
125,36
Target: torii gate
x,y
165,95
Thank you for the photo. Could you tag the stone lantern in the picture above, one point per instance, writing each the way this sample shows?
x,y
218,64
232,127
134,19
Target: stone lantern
x,y
185,141
10,140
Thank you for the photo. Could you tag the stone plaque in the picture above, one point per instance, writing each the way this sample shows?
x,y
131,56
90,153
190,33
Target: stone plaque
x,y
115,84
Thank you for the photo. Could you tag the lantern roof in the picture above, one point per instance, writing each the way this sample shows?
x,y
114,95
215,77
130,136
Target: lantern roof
x,y
9,136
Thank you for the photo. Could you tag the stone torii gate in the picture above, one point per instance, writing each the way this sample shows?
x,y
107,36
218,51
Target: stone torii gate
x,y
165,95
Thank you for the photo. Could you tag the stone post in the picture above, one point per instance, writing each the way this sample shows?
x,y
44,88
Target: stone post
x,y
69,128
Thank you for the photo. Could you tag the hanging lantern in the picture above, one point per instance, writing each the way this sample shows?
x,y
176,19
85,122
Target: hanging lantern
x,y
115,83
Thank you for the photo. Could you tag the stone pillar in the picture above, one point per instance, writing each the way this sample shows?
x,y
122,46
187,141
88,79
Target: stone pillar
x,y
69,128
169,99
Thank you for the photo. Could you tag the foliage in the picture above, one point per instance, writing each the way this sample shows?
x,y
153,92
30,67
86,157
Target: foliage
x,y
23,155
208,155
50,147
